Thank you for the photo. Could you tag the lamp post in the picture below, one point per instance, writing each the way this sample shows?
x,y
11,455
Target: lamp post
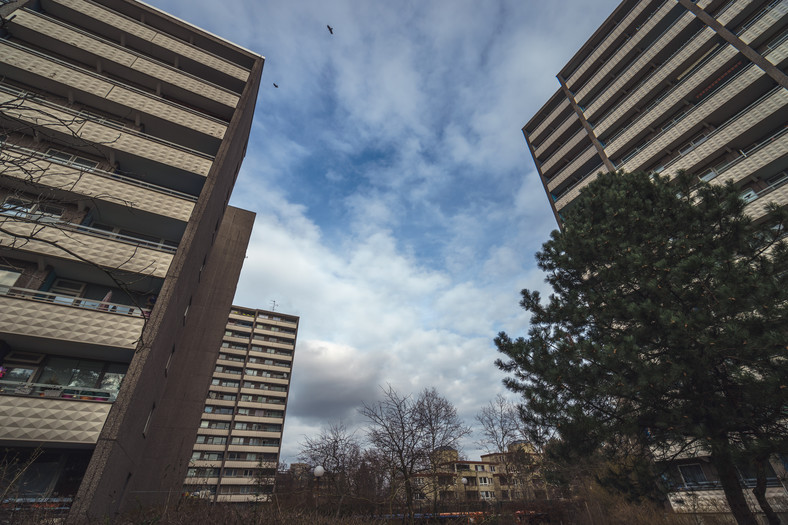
x,y
318,473
465,492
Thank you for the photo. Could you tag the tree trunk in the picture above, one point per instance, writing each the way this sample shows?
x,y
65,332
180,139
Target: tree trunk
x,y
721,459
760,491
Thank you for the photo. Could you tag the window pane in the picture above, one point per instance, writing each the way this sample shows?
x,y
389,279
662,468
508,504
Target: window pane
x,y
58,371
86,374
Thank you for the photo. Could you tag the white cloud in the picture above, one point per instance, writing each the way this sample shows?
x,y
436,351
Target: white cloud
x,y
398,206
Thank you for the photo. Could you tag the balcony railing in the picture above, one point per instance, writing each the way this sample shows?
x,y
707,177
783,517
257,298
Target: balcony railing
x,y
79,117
17,388
74,302
88,230
96,171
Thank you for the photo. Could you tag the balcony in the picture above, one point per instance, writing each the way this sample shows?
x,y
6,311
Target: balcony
x,y
48,170
750,117
614,33
573,166
36,111
125,97
641,63
65,240
16,388
556,135
30,415
640,92
46,32
645,27
770,16
570,147
721,95
535,136
672,98
39,314
151,36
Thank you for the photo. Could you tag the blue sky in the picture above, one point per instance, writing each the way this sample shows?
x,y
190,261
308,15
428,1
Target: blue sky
x,y
398,208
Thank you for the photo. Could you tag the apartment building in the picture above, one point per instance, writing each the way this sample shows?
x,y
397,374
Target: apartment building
x,y
236,451
122,130
669,85
511,476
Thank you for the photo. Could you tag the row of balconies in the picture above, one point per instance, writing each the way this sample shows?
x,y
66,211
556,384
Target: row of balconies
x,y
72,124
688,82
44,70
33,313
270,318
641,63
163,77
768,107
100,18
548,124
80,243
667,70
48,170
614,35
582,95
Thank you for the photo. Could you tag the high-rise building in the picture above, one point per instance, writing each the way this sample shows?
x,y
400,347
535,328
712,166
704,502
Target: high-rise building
x,y
122,131
236,452
669,85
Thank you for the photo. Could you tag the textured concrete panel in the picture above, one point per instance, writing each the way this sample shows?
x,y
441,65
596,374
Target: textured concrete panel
x,y
41,319
51,421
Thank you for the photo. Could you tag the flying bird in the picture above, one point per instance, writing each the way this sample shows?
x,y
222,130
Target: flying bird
x,y
276,85
330,29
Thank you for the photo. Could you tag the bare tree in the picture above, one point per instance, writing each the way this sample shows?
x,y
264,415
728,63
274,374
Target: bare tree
x,y
408,432
443,429
505,435
396,432
339,452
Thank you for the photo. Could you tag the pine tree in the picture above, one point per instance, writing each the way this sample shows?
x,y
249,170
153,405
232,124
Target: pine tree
x,y
667,326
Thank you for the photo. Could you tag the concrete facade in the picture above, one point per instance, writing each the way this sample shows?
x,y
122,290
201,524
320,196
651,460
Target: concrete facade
x,y
123,131
236,451
669,85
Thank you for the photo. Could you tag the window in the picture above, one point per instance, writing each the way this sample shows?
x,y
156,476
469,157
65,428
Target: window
x,y
692,474
227,370
211,440
21,374
204,455
65,291
221,396
82,373
202,472
748,195
479,468
225,382
484,481
223,425
8,278
34,211
210,409
71,160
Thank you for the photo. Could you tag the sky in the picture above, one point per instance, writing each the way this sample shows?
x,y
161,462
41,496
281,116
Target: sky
x,y
398,208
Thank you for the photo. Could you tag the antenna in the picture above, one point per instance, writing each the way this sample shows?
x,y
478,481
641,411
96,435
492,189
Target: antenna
x,y
274,304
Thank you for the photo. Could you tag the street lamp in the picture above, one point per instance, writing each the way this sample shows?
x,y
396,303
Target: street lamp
x,y
318,473
465,491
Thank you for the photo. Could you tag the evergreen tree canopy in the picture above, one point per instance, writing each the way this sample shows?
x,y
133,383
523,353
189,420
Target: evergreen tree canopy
x,y
667,325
